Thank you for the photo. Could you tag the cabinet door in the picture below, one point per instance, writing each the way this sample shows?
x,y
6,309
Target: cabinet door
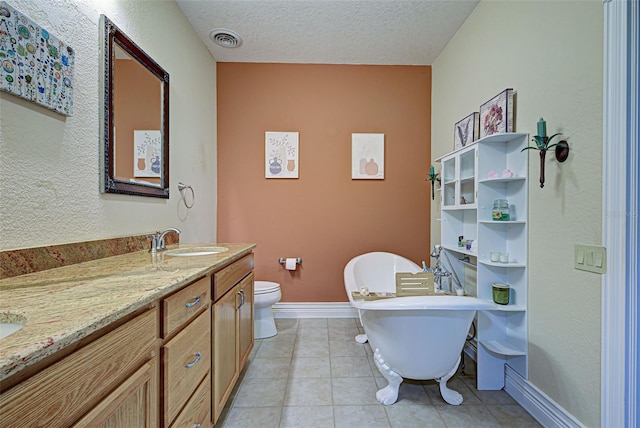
x,y
449,181
64,391
132,404
225,348
467,178
245,319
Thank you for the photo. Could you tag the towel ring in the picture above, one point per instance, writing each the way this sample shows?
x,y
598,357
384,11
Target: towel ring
x,y
181,188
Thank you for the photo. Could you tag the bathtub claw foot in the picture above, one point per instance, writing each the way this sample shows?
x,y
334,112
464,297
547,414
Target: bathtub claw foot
x,y
449,395
389,394
362,338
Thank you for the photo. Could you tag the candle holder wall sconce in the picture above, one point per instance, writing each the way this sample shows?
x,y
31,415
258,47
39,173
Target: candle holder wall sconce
x,y
543,143
433,177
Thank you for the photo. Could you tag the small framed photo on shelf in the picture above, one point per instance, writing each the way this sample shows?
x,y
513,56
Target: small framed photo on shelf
x,y
466,131
496,115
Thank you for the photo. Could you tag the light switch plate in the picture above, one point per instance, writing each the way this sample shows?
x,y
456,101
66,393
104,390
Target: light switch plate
x,y
591,258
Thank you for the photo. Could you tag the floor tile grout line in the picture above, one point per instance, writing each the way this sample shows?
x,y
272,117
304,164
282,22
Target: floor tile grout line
x,y
438,407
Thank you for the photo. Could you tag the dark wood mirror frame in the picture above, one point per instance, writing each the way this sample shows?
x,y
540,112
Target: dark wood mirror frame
x,y
112,35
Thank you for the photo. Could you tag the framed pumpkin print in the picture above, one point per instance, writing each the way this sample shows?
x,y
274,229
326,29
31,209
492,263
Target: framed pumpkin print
x,y
367,156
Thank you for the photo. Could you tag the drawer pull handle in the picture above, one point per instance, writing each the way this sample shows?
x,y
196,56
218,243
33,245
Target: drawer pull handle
x,y
197,426
196,300
194,362
239,305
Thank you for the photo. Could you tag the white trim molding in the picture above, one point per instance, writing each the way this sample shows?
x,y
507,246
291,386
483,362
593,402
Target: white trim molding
x,y
314,310
633,224
542,408
619,227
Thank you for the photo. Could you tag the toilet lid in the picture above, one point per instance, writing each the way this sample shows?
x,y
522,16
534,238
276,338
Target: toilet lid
x,y
262,287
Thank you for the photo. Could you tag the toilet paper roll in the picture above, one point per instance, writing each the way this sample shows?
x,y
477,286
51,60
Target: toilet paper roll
x,y
290,263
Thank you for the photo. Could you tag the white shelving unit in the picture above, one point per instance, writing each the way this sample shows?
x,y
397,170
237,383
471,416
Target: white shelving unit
x,y
467,195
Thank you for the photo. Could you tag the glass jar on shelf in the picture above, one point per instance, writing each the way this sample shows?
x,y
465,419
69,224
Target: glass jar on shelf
x,y
500,210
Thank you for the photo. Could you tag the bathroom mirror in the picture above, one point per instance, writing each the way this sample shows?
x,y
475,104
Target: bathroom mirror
x,y
135,118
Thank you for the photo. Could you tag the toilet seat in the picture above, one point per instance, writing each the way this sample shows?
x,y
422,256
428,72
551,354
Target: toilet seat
x,y
264,287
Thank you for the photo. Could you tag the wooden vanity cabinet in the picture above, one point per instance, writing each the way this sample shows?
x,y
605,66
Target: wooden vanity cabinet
x,y
113,378
172,365
186,356
232,327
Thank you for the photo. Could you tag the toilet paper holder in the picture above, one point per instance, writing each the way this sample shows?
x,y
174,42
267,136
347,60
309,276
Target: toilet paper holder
x,y
282,260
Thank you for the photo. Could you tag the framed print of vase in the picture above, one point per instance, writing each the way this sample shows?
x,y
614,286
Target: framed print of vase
x,y
281,155
496,115
367,156
147,152
466,131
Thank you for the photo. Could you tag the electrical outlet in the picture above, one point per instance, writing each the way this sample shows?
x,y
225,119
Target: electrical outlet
x,y
591,258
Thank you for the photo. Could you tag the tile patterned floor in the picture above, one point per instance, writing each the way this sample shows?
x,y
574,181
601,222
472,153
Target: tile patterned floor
x,y
314,375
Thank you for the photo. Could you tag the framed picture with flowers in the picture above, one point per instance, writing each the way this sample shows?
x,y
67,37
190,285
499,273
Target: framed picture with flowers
x,y
466,131
496,115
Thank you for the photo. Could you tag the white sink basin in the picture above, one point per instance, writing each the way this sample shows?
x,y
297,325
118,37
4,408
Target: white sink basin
x,y
196,251
10,323
8,328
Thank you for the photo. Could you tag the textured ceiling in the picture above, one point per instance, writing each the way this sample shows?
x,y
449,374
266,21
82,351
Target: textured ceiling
x,y
397,32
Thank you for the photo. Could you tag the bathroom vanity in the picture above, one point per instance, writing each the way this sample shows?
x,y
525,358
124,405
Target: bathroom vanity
x,y
133,340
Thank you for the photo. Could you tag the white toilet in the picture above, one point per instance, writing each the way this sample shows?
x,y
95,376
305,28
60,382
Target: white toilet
x,y
265,294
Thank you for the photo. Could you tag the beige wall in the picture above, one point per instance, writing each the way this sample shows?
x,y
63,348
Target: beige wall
x,y
324,217
49,163
551,54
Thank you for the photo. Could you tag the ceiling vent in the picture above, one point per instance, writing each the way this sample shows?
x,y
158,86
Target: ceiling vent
x,y
225,38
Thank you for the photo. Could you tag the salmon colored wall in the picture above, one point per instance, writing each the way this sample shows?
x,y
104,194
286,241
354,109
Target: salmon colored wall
x,y
324,216
135,90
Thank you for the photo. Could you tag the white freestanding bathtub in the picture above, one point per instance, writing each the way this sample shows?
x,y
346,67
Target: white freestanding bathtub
x,y
418,337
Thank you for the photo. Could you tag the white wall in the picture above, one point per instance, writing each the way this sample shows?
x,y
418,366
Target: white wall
x,y
551,54
49,163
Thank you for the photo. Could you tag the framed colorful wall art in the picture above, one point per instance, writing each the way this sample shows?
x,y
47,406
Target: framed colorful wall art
x,y
496,115
34,64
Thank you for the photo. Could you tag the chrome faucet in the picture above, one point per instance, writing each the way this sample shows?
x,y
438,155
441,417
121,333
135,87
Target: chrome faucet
x,y
157,240
439,272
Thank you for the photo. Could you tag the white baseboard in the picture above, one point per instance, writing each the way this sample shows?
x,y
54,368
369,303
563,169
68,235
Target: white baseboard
x,y
314,310
543,409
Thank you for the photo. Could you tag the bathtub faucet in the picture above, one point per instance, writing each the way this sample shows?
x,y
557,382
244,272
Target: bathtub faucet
x,y
440,272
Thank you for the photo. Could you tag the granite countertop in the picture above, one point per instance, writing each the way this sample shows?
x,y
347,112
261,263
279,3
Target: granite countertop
x,y
66,304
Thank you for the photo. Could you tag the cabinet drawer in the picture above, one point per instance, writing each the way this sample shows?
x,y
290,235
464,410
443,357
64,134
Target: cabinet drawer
x,y
226,278
184,305
187,359
61,393
197,412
